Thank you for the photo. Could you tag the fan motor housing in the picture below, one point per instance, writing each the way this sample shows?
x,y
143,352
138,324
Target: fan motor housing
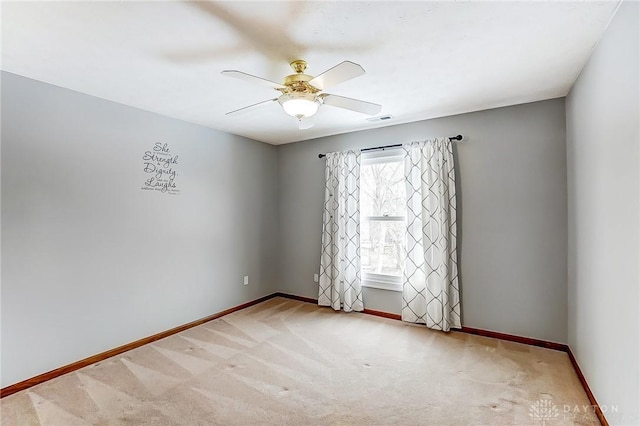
x,y
299,83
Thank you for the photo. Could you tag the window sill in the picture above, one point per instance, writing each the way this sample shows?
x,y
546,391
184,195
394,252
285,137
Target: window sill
x,y
382,285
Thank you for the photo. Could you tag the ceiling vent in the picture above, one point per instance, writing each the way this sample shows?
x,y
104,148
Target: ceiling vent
x,y
380,118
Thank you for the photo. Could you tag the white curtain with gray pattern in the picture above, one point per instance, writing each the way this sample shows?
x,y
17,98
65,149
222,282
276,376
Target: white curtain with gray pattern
x,y
340,284
430,292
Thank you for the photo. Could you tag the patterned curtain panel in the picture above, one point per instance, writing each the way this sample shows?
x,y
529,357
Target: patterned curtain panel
x,y
340,260
430,292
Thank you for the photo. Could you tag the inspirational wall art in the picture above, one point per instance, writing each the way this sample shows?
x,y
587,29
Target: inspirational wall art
x,y
159,166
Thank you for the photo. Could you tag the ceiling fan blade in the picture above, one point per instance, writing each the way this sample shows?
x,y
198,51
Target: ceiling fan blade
x,y
352,104
305,124
248,77
252,106
342,72
211,53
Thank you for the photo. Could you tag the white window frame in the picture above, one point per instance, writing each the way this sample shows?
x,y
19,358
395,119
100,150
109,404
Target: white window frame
x,y
382,281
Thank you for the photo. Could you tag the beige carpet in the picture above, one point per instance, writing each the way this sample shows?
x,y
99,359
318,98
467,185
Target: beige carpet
x,y
289,362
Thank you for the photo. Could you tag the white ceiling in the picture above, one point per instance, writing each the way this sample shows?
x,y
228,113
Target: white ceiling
x,y
423,59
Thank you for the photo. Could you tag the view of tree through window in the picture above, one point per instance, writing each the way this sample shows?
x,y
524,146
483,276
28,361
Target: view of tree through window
x,y
382,203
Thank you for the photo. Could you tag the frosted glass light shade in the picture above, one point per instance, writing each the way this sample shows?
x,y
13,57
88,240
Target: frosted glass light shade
x,y
301,105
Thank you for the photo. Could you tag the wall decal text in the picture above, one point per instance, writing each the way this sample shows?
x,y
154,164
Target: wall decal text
x,y
159,166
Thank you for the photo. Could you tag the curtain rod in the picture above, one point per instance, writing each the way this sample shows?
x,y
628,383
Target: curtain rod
x,y
375,148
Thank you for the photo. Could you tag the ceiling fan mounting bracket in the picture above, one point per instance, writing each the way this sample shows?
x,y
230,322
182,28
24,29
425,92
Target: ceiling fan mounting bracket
x,y
299,65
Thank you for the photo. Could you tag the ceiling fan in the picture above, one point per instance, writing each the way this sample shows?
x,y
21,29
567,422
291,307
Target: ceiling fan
x,y
302,94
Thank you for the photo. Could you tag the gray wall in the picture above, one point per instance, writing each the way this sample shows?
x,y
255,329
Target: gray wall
x,y
512,215
603,185
90,261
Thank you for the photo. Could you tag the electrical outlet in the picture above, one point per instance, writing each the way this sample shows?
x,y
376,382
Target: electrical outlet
x,y
315,278
246,280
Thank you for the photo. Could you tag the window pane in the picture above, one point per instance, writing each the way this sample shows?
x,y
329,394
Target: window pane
x,y
382,247
382,189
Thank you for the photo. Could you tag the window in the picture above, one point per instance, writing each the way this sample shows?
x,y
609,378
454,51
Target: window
x,y
382,221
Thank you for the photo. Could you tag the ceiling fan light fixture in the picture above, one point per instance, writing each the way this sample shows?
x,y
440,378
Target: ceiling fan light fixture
x,y
301,95
299,105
